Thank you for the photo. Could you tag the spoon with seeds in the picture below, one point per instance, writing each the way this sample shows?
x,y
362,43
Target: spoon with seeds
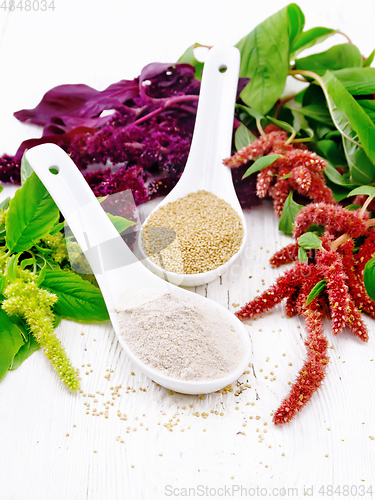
x,y
204,171
122,277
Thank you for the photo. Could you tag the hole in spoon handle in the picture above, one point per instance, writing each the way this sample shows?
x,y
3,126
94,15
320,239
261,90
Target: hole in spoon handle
x,y
71,193
212,138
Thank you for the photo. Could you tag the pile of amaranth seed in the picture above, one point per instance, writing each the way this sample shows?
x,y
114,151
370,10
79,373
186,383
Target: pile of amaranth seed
x,y
194,234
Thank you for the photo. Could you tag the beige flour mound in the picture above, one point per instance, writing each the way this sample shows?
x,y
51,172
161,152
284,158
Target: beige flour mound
x,y
179,337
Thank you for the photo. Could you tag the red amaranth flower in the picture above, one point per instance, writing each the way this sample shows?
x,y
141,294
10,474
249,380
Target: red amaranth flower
x,y
365,252
285,286
354,321
335,218
298,169
273,142
361,299
342,297
312,373
301,179
331,267
286,255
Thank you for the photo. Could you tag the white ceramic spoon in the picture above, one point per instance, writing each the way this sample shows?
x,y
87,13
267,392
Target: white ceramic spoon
x,y
211,143
116,268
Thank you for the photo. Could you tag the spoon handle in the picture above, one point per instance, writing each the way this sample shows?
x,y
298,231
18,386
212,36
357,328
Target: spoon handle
x,y
212,136
96,235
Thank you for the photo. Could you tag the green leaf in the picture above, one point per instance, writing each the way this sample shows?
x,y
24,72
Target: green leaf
x,y
27,349
78,299
339,192
11,268
265,57
27,262
308,241
1,188
308,39
352,113
26,169
296,22
284,125
368,106
250,111
299,120
260,163
3,282
369,278
11,340
58,228
368,61
42,274
331,152
349,117
317,229
361,168
5,203
286,176
120,223
352,206
314,111
335,177
57,320
363,190
341,56
243,137
188,57
318,288
357,81
302,255
32,214
289,213
42,250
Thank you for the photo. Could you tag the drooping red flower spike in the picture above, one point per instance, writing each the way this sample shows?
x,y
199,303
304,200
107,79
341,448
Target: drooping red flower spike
x,y
336,266
354,321
335,218
331,267
273,142
354,272
298,169
285,286
312,373
286,255
366,251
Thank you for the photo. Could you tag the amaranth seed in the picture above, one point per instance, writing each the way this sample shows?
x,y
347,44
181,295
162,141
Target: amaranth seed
x,y
194,234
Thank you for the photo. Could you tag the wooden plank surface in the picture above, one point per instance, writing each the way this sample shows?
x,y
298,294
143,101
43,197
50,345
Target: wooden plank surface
x,y
123,436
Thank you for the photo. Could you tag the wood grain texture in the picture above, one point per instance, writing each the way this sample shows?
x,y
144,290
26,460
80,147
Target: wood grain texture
x,y
86,444
123,436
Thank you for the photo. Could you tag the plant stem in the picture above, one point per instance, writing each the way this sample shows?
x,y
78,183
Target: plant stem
x,y
364,207
292,136
339,241
5,255
168,103
309,74
281,103
345,237
343,34
259,127
296,77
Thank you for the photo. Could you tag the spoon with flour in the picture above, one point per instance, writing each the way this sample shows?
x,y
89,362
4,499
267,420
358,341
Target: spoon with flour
x,y
179,339
204,171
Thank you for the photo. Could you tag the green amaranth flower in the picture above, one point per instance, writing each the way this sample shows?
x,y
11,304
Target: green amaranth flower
x,y
56,242
23,297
